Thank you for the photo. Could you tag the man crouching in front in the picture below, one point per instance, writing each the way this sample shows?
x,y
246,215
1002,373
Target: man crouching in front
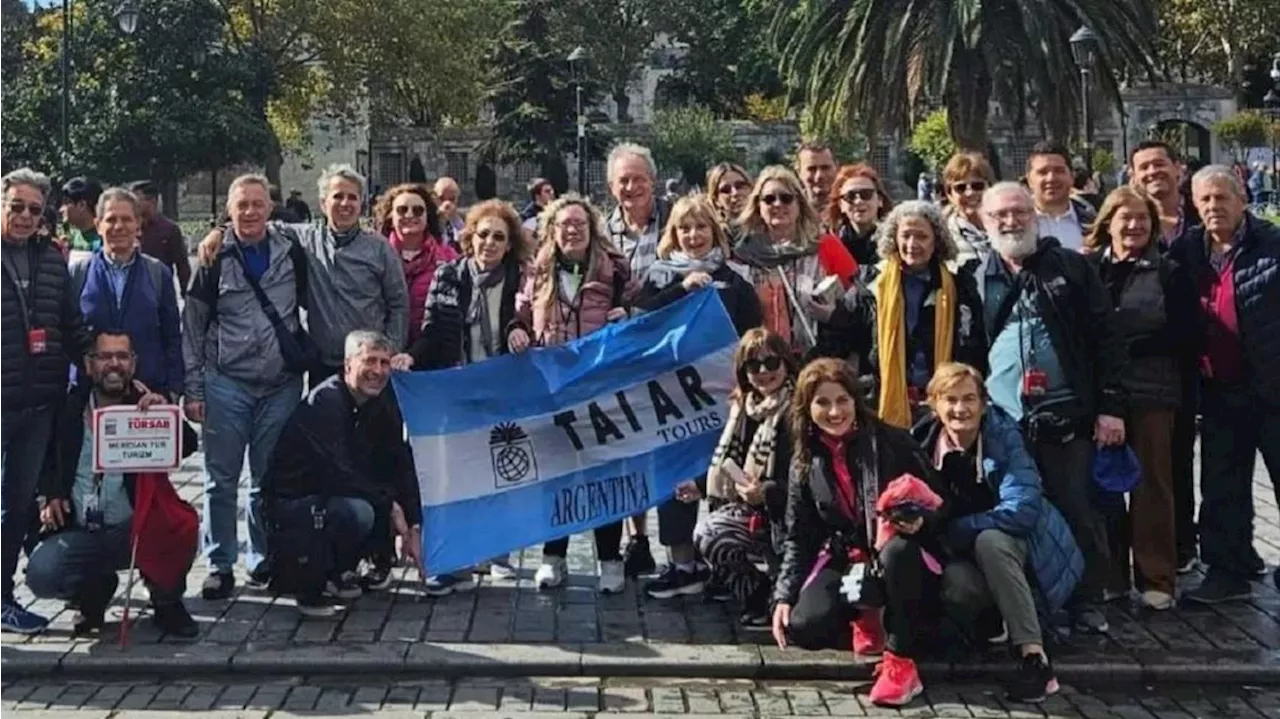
x,y
96,521
340,476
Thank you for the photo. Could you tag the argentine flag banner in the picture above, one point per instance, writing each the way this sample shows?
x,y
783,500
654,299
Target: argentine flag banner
x,y
525,448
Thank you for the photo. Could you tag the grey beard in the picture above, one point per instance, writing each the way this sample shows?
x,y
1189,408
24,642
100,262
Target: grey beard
x,y
1015,245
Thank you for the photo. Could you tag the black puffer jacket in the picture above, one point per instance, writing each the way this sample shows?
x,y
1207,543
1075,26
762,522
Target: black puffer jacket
x,y
1159,318
1256,273
445,340
36,381
877,455
662,287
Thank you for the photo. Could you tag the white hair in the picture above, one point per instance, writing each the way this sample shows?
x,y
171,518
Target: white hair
x,y
114,194
252,178
1218,174
630,148
1001,188
360,340
27,177
340,171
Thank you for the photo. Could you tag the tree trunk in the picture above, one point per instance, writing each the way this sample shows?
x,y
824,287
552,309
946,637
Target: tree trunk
x,y
274,157
969,101
169,198
623,101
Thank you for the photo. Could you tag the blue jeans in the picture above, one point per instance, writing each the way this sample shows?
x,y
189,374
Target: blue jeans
x,y
348,525
64,564
234,419
27,434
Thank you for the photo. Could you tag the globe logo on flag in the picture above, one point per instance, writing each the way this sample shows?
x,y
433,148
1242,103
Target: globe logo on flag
x,y
513,457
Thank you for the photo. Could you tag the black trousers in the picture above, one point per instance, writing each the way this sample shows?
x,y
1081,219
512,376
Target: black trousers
x,y
821,615
1184,477
608,544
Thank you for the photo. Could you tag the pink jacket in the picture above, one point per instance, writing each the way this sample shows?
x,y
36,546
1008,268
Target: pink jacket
x,y
563,321
419,273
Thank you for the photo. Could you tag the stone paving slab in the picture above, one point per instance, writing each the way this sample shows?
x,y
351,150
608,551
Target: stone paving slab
x,y
567,698
507,627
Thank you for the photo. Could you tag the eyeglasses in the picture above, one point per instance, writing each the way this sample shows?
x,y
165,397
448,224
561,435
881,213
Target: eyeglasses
x,y
762,364
495,235
782,198
17,207
416,210
579,225
1017,213
962,187
112,356
865,194
729,189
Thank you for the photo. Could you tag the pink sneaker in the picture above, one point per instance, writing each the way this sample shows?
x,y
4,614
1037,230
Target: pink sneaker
x,y
897,681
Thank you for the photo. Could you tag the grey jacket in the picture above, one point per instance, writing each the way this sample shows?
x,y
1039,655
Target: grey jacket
x,y
358,285
224,328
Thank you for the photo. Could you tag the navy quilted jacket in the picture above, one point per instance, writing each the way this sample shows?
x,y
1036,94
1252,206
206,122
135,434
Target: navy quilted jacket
x,y
1021,510
1257,280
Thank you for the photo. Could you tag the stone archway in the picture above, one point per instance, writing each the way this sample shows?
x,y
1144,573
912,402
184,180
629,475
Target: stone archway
x,y
1191,140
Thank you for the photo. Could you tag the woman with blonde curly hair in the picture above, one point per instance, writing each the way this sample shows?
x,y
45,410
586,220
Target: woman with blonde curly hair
x,y
789,258
407,216
577,284
914,313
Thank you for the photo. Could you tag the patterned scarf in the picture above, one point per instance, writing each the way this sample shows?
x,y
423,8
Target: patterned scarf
x,y
757,458
481,282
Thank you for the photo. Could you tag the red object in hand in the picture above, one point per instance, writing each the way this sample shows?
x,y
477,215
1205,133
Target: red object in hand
x,y
756,523
836,260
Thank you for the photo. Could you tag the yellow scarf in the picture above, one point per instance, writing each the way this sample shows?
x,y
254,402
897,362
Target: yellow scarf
x,y
891,335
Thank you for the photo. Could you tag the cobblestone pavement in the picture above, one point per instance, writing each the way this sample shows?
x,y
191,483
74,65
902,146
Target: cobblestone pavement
x,y
561,698
598,633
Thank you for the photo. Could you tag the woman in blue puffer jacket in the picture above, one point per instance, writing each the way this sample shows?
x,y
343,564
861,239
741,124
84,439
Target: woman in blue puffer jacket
x,y
1012,551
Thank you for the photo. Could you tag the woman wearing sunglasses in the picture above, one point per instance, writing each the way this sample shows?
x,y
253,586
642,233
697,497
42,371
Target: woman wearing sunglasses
x,y
856,208
728,186
914,313
407,216
746,484
789,259
966,176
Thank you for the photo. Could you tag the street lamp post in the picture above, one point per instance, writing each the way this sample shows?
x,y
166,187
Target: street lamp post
x,y
1084,49
577,63
126,16
1272,104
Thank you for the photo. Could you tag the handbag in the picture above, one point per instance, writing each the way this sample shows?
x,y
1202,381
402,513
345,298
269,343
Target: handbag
x,y
296,347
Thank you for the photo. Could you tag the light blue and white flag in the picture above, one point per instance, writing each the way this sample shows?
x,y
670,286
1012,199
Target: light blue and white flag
x,y
525,448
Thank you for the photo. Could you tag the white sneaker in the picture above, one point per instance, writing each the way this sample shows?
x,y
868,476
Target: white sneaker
x,y
613,578
1158,601
501,569
551,574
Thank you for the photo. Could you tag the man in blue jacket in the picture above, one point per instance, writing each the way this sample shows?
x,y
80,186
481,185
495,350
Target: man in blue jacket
x,y
1005,536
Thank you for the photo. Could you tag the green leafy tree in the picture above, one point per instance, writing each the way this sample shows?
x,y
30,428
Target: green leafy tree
x,y
691,139
931,140
1213,40
147,108
726,57
874,61
618,36
533,93
1242,131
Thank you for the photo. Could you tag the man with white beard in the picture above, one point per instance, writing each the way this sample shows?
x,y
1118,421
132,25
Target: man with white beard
x,y
1056,361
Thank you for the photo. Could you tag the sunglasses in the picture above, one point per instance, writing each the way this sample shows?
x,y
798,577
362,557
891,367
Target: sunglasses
x,y
729,189
17,207
415,210
782,198
767,364
863,195
962,187
494,234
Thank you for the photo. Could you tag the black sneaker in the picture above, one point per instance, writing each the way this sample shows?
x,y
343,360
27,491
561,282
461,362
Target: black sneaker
x,y
1035,681
218,585
756,614
344,586
316,606
175,621
259,578
1090,620
1218,588
92,605
674,582
636,558
376,577
1256,564
1187,565
715,591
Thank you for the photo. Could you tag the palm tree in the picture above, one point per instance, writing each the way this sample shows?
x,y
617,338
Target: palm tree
x,y
875,61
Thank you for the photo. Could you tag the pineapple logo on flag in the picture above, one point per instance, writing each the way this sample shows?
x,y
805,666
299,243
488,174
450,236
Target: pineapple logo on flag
x,y
514,460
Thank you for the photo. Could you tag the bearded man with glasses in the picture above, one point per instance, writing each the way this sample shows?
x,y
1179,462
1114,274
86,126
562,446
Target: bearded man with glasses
x,y
42,335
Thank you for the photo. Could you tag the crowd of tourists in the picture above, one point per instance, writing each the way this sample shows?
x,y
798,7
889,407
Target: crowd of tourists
x,y
971,414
